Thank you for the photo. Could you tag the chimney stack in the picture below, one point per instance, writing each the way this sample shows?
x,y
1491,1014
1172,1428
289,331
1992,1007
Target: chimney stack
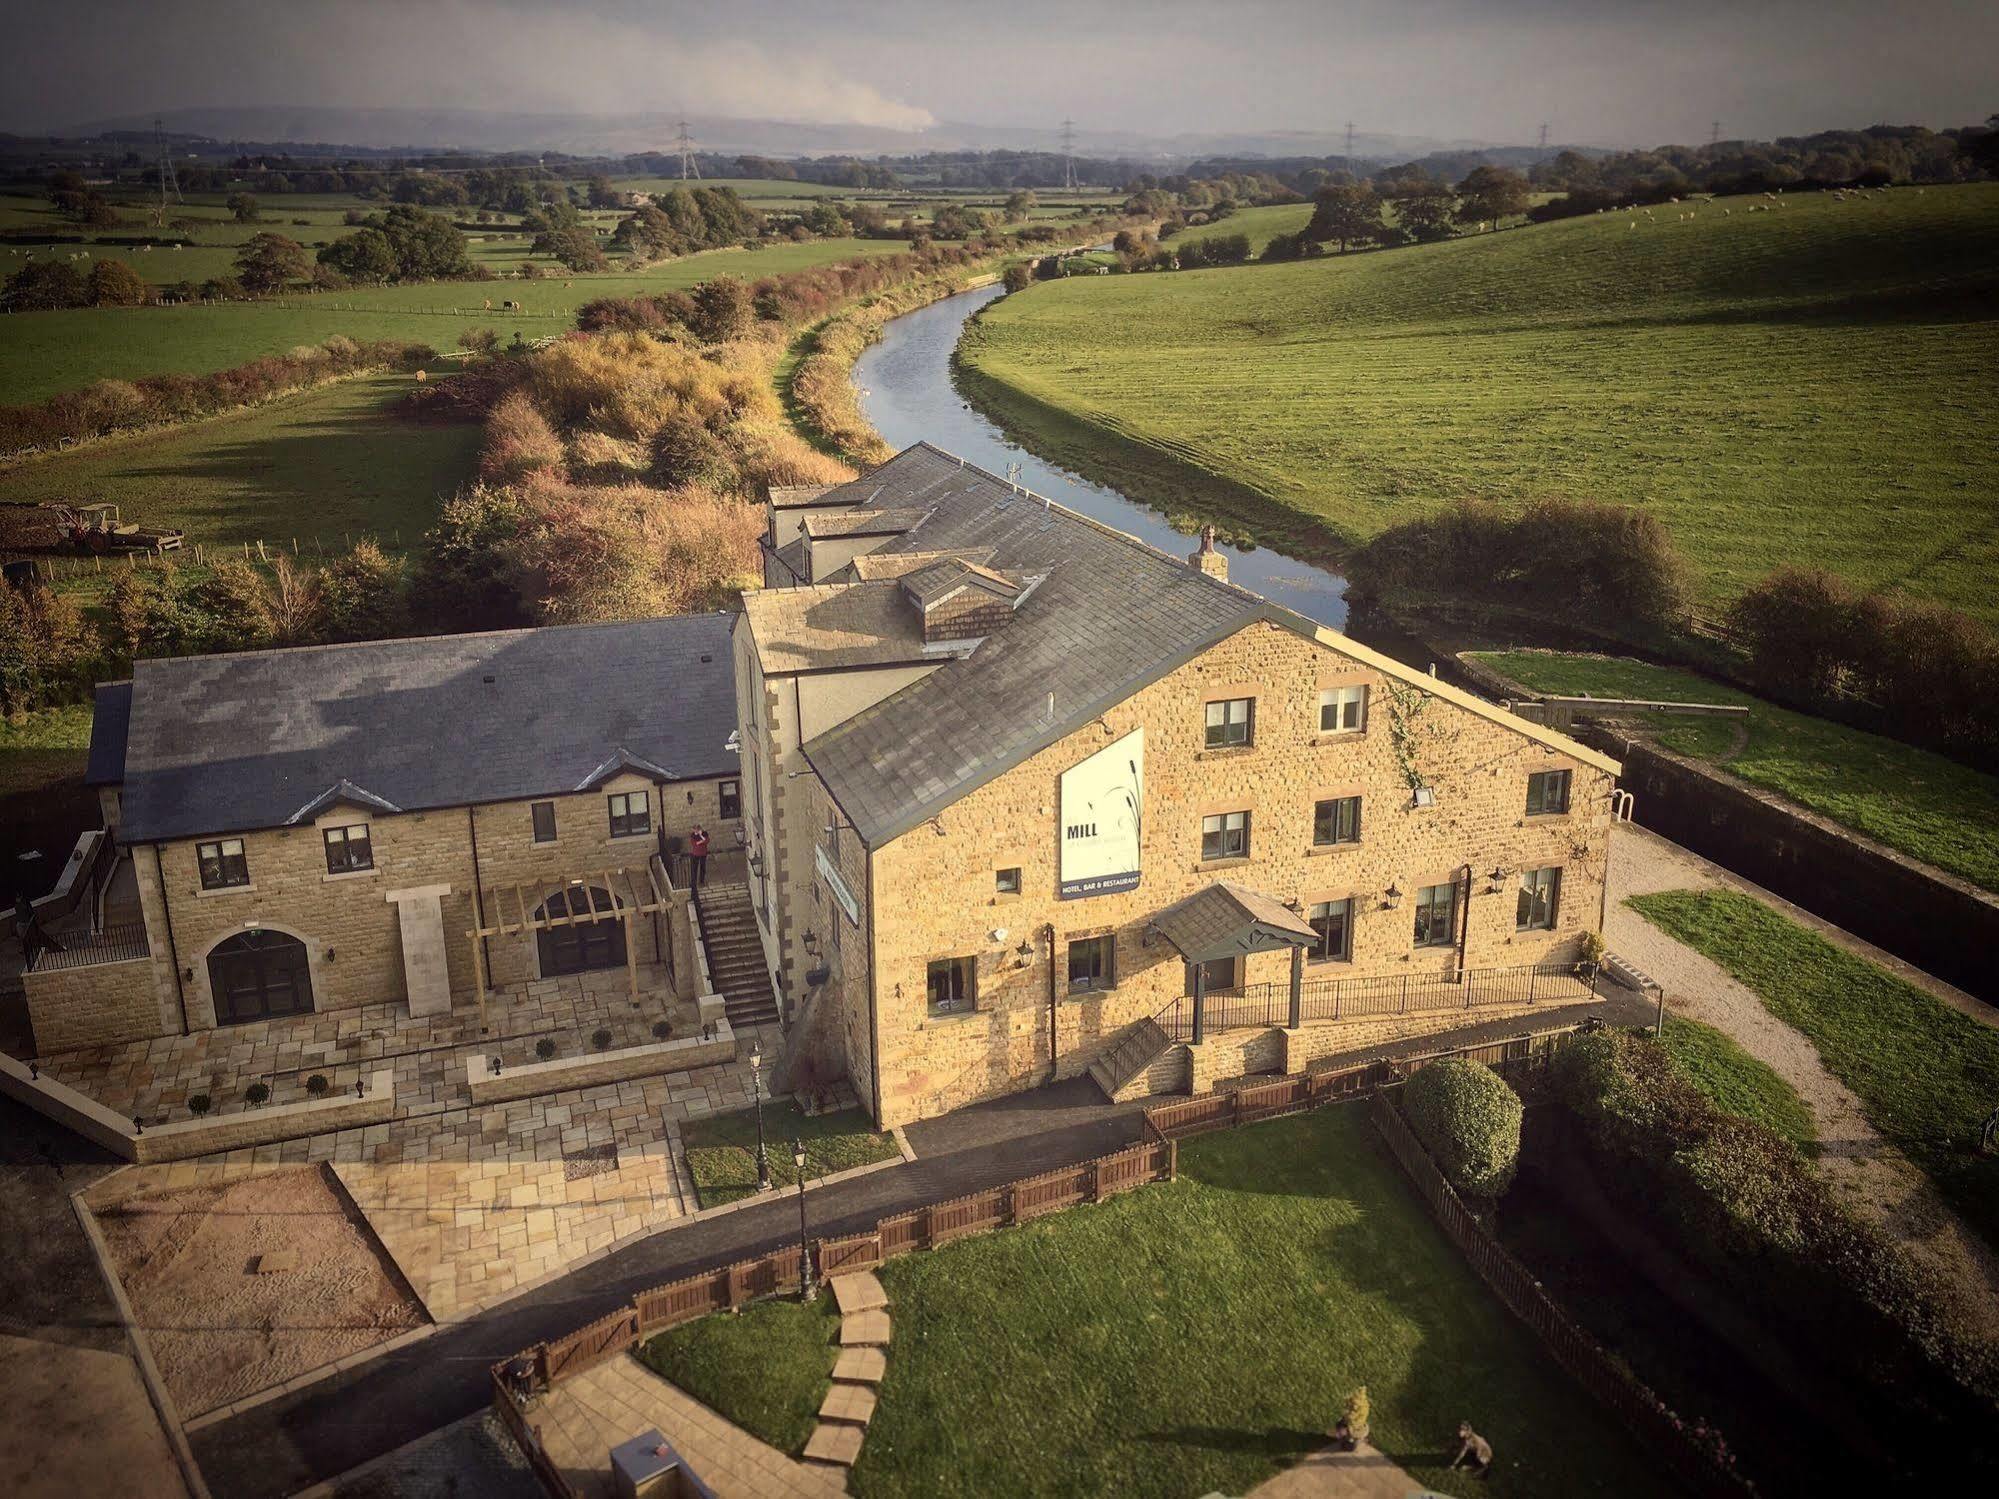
x,y
1207,559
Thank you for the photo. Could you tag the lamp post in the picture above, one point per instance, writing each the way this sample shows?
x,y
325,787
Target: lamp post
x,y
757,1092
805,1277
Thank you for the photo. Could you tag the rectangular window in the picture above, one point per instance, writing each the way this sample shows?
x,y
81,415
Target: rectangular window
x,y
1225,836
1342,710
1231,722
349,849
1218,975
1540,894
1091,961
730,794
1547,791
1336,821
544,822
1333,921
1436,913
222,864
631,814
1006,882
953,986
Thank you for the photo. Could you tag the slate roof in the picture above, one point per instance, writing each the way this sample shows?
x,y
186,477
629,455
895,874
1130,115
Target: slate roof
x,y
268,738
1224,920
1111,615
109,723
859,520
823,625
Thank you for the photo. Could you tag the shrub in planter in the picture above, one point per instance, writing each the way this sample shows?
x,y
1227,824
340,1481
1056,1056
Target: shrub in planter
x,y
601,1038
199,1104
544,1048
1469,1120
317,1085
662,1029
256,1092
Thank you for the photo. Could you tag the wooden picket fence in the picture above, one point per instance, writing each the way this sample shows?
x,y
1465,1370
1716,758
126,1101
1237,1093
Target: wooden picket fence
x,y
1698,1463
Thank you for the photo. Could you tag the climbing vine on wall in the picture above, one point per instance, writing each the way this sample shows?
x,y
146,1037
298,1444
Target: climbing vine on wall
x,y
1405,706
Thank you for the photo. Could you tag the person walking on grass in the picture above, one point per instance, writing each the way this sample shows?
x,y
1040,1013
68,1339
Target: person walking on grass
x,y
1473,1448
697,852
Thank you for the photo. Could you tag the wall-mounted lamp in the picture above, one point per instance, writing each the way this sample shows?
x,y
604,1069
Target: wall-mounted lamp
x,y
1423,796
937,826
329,955
812,943
1391,897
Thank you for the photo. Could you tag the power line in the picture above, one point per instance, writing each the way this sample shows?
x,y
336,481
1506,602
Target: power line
x,y
1349,156
689,167
1544,135
169,183
1714,133
1069,155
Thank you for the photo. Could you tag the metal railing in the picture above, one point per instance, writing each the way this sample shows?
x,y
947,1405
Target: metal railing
x,y
115,944
1260,1006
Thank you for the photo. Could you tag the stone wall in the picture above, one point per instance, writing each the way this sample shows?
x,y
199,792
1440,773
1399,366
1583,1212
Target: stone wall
x,y
98,1005
934,897
593,1069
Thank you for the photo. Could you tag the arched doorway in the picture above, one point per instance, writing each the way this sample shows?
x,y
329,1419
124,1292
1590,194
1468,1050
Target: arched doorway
x,y
256,975
587,944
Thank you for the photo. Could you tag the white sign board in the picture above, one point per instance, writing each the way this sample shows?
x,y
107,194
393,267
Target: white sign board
x,y
838,886
1103,801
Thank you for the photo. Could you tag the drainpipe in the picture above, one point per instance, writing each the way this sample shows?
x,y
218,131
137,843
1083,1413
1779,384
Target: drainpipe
x,y
173,948
479,896
1054,1053
1464,922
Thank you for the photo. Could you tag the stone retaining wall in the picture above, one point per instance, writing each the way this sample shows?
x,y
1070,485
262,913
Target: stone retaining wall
x,y
561,1074
98,1004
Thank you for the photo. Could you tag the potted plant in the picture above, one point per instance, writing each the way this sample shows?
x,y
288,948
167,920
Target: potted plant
x,y
316,1085
662,1029
256,1093
199,1104
545,1047
601,1038
1353,1424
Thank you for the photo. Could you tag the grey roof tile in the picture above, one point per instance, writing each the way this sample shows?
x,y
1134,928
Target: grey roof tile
x,y
110,722
229,743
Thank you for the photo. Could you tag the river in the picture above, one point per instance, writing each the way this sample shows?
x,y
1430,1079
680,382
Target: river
x,y
905,390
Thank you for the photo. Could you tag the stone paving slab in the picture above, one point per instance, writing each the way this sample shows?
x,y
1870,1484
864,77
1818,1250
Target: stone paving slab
x,y
859,1292
835,1443
864,1329
848,1402
1364,1473
860,1365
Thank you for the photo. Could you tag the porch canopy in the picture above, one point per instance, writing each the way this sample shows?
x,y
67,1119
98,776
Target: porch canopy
x,y
512,910
1227,921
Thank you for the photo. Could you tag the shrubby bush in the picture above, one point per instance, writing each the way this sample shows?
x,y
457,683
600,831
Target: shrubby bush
x,y
1735,1198
1469,1120
1591,562
47,649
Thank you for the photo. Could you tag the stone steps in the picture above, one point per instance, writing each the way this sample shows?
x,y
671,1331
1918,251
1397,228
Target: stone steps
x,y
1128,1060
849,1405
734,944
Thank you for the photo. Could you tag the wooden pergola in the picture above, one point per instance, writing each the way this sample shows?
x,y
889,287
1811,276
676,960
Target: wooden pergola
x,y
634,893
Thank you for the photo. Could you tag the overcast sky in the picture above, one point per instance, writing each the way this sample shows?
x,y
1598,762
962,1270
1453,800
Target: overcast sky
x,y
1611,72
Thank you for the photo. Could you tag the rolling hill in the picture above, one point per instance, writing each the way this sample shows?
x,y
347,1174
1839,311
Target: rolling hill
x,y
1808,381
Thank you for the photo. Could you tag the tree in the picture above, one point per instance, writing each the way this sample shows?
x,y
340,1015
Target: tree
x,y
269,261
577,249
468,571
244,207
1020,205
45,648
1489,194
1982,149
1423,207
1469,1120
426,244
1345,214
45,286
115,284
822,218
602,195
723,309
1018,276
363,595
366,255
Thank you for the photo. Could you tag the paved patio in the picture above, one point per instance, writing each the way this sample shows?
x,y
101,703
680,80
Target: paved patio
x,y
582,1419
154,1079
1331,1474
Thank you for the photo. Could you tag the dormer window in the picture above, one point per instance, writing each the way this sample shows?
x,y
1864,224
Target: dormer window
x,y
631,814
349,850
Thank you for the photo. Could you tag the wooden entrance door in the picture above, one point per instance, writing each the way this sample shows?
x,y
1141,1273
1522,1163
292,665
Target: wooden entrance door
x,y
257,975
588,944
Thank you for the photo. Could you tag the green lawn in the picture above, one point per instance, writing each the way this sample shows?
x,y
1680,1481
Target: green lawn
x,y
1925,1074
1262,225
721,1149
1201,1334
330,464
1810,384
1928,807
42,353
1738,1084
766,1367
40,749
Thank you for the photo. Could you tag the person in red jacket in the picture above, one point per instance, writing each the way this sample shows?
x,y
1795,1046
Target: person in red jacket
x,y
697,849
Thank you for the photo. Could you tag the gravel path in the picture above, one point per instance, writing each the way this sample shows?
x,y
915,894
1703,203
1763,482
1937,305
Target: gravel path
x,y
1870,1174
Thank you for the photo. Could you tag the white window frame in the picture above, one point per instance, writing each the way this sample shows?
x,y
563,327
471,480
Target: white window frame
x,y
1540,904
1221,825
1234,720
625,806
1345,707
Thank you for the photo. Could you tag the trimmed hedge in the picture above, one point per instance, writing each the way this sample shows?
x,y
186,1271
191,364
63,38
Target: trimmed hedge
x,y
1739,1201
1469,1120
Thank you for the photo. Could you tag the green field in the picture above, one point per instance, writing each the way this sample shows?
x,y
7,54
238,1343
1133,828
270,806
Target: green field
x,y
1807,384
1261,225
1736,1083
324,467
1929,807
42,353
